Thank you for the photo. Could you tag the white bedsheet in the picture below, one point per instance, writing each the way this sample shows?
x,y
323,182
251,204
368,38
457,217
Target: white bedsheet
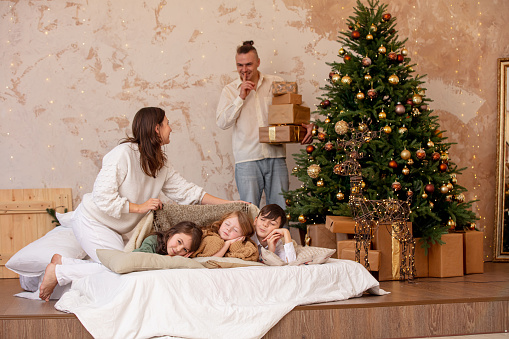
x,y
242,302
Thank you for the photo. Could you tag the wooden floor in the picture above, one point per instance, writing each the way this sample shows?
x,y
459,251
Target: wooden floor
x,y
428,307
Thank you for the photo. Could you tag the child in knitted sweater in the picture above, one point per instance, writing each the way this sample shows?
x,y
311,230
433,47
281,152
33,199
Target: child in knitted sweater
x,y
229,237
182,239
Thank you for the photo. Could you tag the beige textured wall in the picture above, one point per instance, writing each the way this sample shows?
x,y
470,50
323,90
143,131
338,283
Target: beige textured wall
x,y
74,73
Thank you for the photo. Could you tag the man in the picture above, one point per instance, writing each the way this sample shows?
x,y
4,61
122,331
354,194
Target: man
x,y
244,106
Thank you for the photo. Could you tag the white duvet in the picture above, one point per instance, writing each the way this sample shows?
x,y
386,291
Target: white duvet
x,y
242,302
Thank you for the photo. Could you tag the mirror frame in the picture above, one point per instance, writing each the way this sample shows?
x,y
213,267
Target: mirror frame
x,y
502,160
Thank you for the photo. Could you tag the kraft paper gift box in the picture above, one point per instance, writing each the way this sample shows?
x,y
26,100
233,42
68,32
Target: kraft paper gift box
x,y
319,236
446,260
421,260
373,257
281,134
391,252
473,252
289,114
340,224
288,98
283,87
345,244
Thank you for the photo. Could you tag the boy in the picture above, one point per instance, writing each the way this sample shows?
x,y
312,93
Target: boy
x,y
269,234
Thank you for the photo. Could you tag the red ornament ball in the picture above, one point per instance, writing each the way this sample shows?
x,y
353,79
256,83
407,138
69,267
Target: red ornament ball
x,y
372,93
429,188
386,17
400,58
310,149
347,58
392,56
322,136
435,156
329,146
443,167
355,35
409,101
325,104
393,164
366,62
396,186
420,153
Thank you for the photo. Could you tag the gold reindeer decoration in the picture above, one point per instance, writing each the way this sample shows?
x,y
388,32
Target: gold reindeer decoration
x,y
369,214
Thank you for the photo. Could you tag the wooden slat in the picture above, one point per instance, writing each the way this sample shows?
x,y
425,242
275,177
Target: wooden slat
x,y
23,207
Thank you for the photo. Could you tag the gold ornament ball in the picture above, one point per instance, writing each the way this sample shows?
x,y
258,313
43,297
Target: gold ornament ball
x,y
320,183
405,154
382,49
416,99
424,195
410,162
314,170
444,156
288,217
314,131
362,127
393,79
402,130
327,120
431,204
346,80
451,224
369,37
444,189
405,170
396,186
404,51
373,28
421,91
454,180
338,169
387,129
341,51
336,78
450,186
363,184
295,169
340,196
367,77
360,96
341,127
382,115
460,197
302,218
430,144
354,189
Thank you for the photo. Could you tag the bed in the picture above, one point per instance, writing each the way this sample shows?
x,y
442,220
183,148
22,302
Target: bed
x,y
148,295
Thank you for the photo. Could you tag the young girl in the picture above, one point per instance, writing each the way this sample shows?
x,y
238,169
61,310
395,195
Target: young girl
x,y
182,239
229,237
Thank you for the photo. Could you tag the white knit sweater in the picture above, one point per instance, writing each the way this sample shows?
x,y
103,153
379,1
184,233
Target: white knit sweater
x,y
121,181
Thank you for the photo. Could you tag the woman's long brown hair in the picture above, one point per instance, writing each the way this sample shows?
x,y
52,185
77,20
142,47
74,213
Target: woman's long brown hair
x,y
152,157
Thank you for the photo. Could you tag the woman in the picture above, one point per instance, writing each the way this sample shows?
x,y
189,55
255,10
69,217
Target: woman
x,y
132,176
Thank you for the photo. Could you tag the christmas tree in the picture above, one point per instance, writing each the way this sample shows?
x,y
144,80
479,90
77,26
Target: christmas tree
x,y
373,88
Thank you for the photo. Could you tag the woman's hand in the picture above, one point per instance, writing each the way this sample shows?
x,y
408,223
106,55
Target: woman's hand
x,y
151,204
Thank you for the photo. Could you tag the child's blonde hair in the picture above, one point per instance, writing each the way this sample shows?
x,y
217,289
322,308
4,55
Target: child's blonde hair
x,y
246,224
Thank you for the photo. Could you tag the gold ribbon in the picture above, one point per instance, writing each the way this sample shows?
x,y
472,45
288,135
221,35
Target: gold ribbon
x,y
272,133
396,255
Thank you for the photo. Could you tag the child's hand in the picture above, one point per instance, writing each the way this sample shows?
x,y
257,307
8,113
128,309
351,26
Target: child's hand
x,y
272,239
231,241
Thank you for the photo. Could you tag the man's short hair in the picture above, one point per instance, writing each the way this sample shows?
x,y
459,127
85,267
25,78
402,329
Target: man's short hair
x,y
272,212
246,47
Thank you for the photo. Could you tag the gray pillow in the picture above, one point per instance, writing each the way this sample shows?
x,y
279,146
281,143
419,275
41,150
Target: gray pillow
x,y
202,215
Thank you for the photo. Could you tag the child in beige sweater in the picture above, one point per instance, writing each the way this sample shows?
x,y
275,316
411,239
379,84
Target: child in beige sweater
x,y
229,237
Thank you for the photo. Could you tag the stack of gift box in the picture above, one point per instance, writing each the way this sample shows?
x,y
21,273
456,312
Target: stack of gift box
x,y
461,253
286,114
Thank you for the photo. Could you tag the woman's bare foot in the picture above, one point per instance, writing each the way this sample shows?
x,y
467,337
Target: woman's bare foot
x,y
56,259
49,282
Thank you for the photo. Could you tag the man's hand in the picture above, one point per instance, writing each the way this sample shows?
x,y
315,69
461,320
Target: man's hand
x,y
309,134
246,87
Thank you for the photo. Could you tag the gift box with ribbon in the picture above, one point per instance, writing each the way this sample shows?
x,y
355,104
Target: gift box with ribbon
x,y
283,87
289,114
281,134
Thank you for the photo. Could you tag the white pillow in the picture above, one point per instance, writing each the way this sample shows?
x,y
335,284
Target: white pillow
x,y
306,255
31,260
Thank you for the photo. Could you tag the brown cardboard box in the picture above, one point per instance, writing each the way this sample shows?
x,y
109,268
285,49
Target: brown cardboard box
x,y
288,98
390,248
289,114
350,244
473,252
321,237
281,134
340,224
447,260
298,235
421,260
283,87
373,257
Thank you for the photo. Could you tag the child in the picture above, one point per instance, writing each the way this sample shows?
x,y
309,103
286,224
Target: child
x,y
229,237
271,236
182,239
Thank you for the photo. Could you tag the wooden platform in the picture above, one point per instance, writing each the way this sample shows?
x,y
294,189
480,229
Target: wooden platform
x,y
472,304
